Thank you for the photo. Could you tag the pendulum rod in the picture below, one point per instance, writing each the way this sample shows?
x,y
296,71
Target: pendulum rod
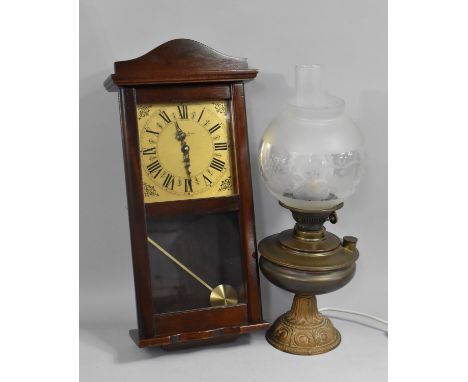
x,y
185,268
221,295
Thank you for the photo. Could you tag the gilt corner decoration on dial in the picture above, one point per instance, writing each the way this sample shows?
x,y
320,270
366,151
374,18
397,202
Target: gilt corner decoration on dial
x,y
185,150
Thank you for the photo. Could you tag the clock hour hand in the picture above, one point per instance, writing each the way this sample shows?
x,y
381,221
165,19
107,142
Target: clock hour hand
x,y
184,147
185,151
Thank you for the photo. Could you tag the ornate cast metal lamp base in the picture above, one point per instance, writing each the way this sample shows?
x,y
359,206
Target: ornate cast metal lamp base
x,y
307,261
303,330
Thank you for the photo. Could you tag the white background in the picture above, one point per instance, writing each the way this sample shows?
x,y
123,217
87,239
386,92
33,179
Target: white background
x,y
39,272
350,40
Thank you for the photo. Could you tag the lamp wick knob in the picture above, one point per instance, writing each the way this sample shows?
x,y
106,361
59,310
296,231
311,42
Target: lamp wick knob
x,y
333,218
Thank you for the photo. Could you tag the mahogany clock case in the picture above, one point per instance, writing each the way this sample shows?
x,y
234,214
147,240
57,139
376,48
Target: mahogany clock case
x,y
222,228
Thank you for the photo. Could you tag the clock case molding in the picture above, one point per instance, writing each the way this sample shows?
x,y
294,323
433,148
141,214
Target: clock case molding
x,y
184,70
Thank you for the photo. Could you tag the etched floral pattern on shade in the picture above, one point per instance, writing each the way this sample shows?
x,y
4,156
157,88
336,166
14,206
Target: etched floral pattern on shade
x,y
307,181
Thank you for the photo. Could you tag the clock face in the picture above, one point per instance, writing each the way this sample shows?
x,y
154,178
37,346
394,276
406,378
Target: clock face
x,y
185,150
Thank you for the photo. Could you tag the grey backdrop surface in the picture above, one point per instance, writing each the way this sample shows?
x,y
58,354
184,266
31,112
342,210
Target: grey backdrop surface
x,y
349,38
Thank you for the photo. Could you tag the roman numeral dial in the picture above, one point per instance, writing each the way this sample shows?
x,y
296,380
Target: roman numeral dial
x,y
221,146
183,111
164,116
186,151
217,164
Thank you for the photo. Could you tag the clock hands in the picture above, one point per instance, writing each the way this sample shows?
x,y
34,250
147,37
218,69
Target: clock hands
x,y
180,135
184,147
222,294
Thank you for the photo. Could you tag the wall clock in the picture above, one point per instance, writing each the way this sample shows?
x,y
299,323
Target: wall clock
x,y
189,194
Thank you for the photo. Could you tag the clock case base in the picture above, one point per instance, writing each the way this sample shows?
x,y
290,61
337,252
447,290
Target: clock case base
x,y
197,338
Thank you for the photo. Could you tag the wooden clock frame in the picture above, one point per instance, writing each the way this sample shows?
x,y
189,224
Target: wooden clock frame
x,y
184,70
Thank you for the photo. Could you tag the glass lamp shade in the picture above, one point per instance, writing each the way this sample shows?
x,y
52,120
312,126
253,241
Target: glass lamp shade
x,y
311,155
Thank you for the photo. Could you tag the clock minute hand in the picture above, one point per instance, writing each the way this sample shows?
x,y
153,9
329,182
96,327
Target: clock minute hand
x,y
180,135
184,147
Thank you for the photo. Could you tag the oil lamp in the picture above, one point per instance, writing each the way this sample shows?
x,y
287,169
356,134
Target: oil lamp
x,y
311,159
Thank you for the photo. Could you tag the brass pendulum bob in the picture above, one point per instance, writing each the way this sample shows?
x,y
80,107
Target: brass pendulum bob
x,y
307,261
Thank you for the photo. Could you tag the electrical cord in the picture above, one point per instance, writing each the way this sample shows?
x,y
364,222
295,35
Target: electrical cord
x,y
355,313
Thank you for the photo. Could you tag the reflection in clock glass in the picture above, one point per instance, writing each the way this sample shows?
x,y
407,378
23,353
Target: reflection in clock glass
x,y
208,246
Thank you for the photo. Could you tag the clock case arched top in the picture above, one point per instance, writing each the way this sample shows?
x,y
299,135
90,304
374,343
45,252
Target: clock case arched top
x,y
179,61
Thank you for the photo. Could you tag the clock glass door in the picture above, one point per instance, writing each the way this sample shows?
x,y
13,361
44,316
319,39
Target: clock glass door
x,y
195,262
